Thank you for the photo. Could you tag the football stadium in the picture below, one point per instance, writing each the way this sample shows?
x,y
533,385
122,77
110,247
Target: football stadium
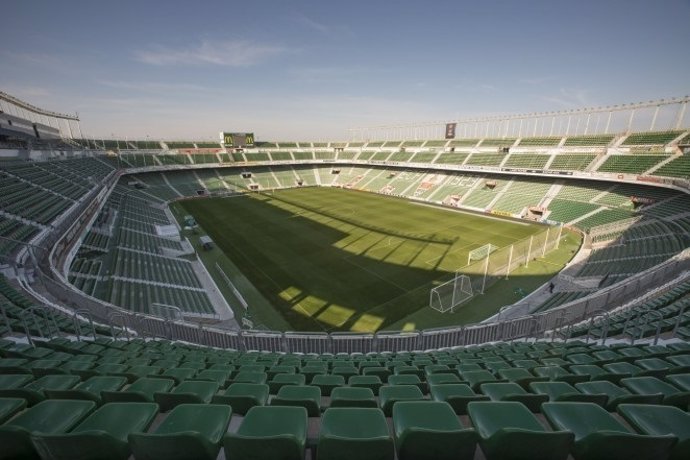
x,y
508,286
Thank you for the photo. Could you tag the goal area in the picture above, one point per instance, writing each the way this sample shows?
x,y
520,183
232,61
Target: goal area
x,y
451,294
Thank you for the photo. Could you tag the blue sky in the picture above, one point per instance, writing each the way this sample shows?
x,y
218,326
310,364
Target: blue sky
x,y
308,70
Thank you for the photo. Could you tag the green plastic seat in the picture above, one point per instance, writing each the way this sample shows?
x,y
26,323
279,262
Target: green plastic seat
x,y
102,435
140,391
187,392
521,376
9,407
250,377
354,433
391,394
431,430
659,421
307,396
558,374
221,377
682,381
672,396
629,370
513,392
34,391
599,435
142,370
41,367
380,371
353,397
179,374
476,378
442,379
596,372
457,395
190,431
13,366
508,430
12,381
562,392
278,433
243,396
615,394
372,382
280,369
328,382
281,380
407,379
46,417
90,389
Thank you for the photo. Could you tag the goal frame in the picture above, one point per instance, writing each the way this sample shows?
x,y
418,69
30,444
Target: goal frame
x,y
461,286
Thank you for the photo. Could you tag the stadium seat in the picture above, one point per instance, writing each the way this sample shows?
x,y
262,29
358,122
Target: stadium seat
x,y
278,433
189,431
179,374
142,390
520,375
305,396
381,372
188,392
354,432
391,394
513,392
34,392
281,380
508,430
442,379
353,397
365,381
9,407
46,417
328,382
407,379
431,430
564,392
243,396
559,374
221,377
596,372
672,396
615,394
250,377
457,395
90,389
659,421
102,435
599,435
682,381
476,378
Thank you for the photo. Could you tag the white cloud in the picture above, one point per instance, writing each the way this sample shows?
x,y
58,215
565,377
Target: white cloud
x,y
570,98
152,86
230,53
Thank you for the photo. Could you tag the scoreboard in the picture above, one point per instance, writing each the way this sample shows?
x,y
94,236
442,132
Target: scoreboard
x,y
237,140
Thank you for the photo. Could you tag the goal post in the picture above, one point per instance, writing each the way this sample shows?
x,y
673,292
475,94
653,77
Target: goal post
x,y
445,297
480,252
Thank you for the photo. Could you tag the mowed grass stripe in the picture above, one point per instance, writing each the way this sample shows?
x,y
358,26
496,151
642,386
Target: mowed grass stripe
x,y
341,259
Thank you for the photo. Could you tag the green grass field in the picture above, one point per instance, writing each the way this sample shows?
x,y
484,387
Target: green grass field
x,y
336,260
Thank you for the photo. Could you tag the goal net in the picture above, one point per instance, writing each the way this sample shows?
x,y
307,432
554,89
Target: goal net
x,y
480,252
451,294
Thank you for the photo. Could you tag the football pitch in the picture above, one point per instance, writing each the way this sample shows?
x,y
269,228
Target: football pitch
x,y
328,259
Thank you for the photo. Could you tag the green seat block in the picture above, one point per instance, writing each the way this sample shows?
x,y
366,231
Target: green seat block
x,y
11,381
561,391
9,407
508,430
250,376
659,421
187,392
306,396
442,379
407,379
653,386
372,382
596,373
391,394
599,435
521,376
457,395
280,369
281,380
513,392
476,378
354,433
353,397
558,374
47,417
190,431
431,430
90,389
616,395
243,396
627,369
381,372
682,381
278,433
102,435
328,382
140,391
214,375
34,392
179,374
